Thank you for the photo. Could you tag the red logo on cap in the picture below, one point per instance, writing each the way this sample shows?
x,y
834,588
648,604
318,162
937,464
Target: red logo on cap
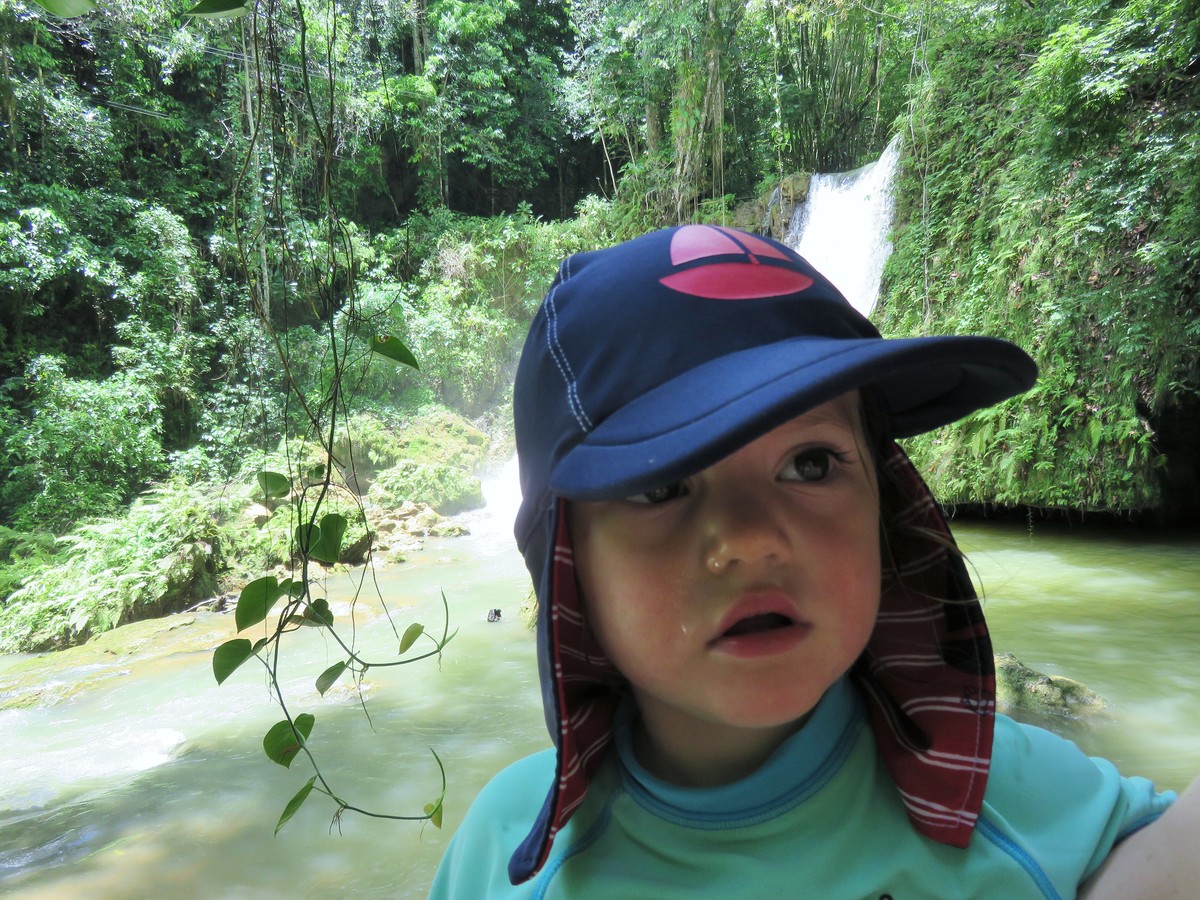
x,y
757,268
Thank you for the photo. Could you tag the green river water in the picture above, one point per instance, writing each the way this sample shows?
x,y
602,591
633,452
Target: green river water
x,y
151,781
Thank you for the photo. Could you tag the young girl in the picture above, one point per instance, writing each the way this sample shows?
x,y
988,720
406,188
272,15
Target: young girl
x,y
764,668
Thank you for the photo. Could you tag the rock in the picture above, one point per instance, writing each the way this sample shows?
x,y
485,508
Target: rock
x,y
258,513
53,678
422,523
448,529
1020,687
355,554
772,212
189,574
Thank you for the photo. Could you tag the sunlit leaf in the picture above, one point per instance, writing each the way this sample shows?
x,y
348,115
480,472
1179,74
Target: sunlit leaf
x,y
255,601
229,656
66,9
218,9
434,811
274,485
329,676
295,803
285,739
411,633
394,349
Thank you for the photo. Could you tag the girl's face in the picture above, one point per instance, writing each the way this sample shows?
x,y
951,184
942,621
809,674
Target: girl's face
x,y
732,601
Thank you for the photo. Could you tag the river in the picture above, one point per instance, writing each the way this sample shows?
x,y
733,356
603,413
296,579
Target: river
x,y
151,781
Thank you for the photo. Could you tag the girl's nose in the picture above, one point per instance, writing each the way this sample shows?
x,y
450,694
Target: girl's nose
x,y
742,528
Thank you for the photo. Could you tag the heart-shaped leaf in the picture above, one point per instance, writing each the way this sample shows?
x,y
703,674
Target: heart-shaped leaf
x,y
256,601
285,739
274,485
67,9
229,656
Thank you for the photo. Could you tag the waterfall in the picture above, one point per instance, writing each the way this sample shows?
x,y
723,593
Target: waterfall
x,y
842,227
491,527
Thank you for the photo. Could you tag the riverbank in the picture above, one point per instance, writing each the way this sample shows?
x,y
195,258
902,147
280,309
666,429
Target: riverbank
x,y
186,544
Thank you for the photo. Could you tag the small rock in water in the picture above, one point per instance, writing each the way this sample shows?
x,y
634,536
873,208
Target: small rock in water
x,y
493,615
1019,686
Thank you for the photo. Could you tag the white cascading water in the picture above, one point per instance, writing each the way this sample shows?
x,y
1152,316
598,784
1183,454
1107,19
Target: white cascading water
x,y
842,228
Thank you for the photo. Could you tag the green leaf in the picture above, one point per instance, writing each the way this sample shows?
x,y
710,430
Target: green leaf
x,y
218,9
329,676
434,811
255,601
295,803
323,542
274,485
411,633
66,9
318,613
394,349
333,529
229,656
285,739
293,589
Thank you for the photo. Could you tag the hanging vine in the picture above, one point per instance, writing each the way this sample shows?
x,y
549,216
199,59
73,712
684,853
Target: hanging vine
x,y
299,264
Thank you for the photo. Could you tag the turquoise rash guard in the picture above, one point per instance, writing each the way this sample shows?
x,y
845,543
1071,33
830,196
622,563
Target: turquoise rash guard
x,y
821,818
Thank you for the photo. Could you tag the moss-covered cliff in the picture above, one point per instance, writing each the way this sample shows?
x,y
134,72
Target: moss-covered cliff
x,y
1050,194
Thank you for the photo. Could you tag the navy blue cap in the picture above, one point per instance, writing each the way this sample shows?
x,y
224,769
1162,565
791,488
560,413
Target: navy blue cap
x,y
653,359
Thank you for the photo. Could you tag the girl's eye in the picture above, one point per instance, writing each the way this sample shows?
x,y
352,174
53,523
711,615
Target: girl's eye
x,y
809,465
659,494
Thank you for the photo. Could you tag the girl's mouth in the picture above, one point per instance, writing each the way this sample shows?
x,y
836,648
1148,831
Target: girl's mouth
x,y
760,624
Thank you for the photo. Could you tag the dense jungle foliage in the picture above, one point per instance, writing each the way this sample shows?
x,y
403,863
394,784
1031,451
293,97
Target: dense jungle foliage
x,y
205,221
1051,194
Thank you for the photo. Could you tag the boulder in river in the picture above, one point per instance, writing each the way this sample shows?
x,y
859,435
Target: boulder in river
x,y
1019,687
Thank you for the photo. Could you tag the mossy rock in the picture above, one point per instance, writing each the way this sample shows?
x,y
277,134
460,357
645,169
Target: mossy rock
x,y
442,436
57,677
770,214
447,489
370,446
1020,687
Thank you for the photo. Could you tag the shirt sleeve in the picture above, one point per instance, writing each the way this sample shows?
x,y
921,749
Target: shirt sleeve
x,y
1057,811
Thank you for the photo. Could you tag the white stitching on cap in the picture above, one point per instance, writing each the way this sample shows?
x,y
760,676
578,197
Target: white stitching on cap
x,y
560,357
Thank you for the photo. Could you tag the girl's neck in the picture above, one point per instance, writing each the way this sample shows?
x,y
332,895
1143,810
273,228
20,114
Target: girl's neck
x,y
721,755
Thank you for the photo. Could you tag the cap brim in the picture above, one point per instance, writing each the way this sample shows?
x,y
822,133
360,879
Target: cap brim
x,y
700,417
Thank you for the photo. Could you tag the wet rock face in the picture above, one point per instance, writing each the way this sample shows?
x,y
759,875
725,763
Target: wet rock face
x,y
1019,687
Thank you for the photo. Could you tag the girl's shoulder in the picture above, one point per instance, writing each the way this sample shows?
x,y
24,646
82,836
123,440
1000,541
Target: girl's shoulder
x,y
1044,792
476,861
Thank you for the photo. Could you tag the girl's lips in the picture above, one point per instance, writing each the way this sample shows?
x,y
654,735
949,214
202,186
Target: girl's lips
x,y
760,623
